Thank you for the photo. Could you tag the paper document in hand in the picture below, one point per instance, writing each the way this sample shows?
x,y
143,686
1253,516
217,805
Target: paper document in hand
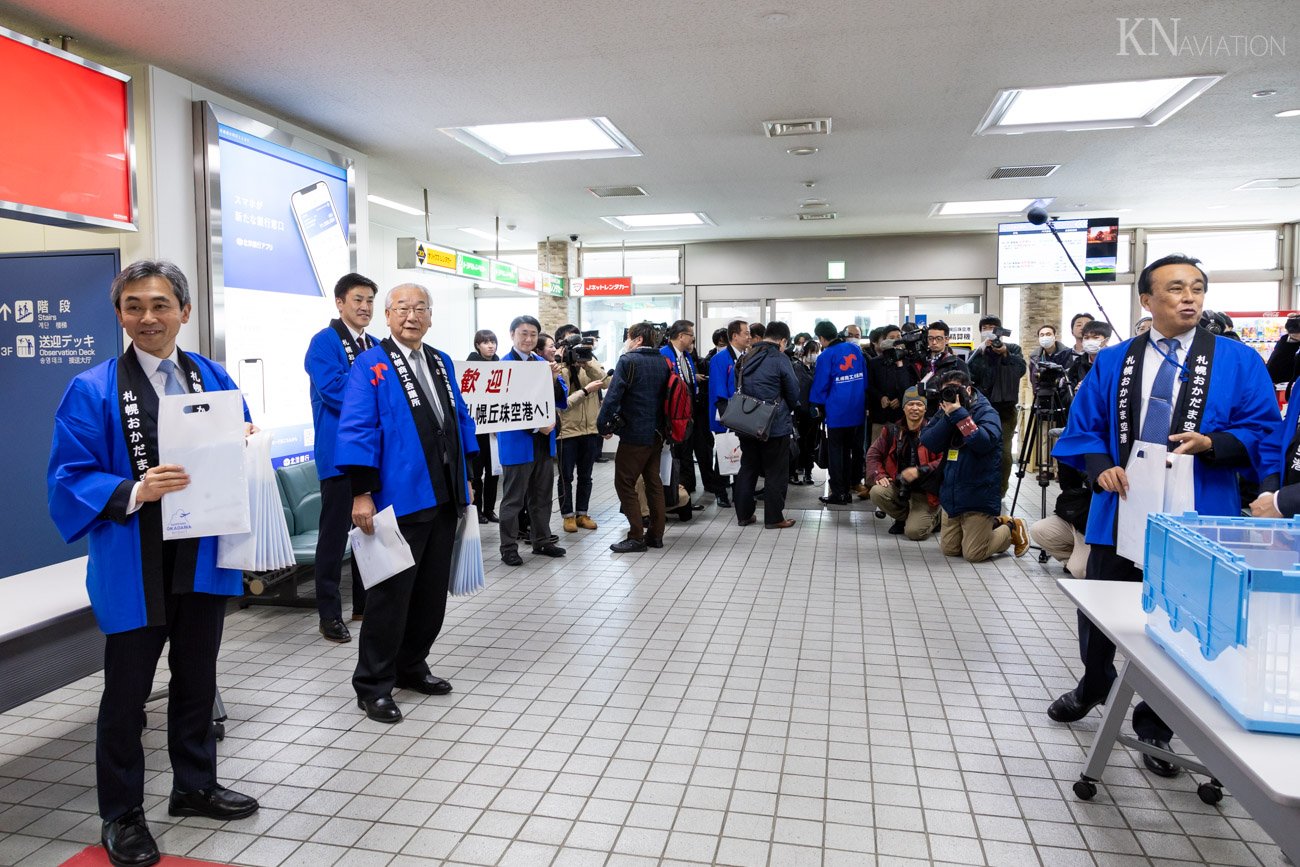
x,y
382,554
1158,482
204,433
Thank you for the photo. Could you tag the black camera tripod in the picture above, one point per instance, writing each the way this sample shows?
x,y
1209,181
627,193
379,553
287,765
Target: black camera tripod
x,y
1049,413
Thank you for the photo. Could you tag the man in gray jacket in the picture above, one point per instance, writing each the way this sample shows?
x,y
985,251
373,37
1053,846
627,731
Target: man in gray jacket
x,y
765,373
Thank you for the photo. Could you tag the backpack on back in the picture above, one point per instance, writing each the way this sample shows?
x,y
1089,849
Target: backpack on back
x,y
679,407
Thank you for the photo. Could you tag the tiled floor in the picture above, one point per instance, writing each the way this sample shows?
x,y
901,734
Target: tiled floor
x,y
825,694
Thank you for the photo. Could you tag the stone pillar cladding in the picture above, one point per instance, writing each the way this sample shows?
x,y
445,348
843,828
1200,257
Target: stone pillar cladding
x,y
558,258
1040,304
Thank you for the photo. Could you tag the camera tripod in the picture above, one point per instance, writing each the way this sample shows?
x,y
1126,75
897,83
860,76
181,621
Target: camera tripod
x,y
1048,413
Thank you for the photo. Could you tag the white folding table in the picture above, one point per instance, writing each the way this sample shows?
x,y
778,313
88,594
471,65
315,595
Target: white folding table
x,y
1261,770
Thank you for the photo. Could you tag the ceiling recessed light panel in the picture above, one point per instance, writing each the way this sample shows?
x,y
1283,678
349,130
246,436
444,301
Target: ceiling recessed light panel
x,y
1114,105
1270,184
587,138
640,222
396,206
987,206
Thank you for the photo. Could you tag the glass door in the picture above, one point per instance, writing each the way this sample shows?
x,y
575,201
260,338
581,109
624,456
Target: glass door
x,y
867,313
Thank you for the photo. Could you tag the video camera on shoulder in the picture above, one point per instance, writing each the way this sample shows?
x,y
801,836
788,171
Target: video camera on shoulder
x,y
998,334
580,348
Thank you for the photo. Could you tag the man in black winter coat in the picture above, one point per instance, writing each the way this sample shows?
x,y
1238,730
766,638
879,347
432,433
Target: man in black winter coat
x,y
765,373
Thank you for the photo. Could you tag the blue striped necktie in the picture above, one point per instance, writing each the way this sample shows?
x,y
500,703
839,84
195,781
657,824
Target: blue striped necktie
x,y
1160,410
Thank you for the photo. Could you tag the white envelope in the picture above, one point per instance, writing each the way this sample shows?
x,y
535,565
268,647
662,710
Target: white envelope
x,y
383,554
204,433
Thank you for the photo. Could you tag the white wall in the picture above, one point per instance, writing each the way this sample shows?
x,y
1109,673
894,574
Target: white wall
x,y
452,330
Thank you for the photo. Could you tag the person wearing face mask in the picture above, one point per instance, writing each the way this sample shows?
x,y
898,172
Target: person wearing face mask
x,y
1050,350
997,366
1095,335
888,377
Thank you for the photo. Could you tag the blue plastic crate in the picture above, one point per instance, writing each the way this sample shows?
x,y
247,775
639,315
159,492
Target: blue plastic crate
x,y
1222,596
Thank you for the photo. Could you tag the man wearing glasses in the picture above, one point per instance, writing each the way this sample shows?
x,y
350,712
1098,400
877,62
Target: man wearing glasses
x,y
939,359
404,435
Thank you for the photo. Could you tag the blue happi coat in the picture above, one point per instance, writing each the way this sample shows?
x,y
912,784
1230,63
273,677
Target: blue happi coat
x,y
1240,416
722,385
516,446
377,430
840,384
327,367
89,467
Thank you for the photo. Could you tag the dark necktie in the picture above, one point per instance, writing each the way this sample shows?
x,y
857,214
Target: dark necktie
x,y
1160,409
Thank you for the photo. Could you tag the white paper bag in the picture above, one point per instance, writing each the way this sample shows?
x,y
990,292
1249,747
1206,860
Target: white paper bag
x,y
666,465
204,433
266,546
727,448
382,554
496,454
467,557
1147,479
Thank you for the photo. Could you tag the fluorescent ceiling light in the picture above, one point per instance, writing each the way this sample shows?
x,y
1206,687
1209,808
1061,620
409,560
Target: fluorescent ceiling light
x,y
396,206
987,206
634,222
1112,105
584,138
1270,184
479,233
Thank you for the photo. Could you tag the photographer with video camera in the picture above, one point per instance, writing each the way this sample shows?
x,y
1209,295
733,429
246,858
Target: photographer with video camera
x,y
889,375
967,432
1284,361
996,367
578,444
904,474
936,360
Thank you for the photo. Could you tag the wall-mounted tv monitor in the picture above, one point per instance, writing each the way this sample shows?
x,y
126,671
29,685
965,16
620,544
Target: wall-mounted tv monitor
x,y
66,155
1029,254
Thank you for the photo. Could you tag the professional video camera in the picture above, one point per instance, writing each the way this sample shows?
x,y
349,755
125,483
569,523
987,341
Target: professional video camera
x,y
579,348
661,329
912,342
998,334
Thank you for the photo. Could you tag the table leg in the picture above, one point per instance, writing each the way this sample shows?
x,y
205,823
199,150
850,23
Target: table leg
x,y
1112,718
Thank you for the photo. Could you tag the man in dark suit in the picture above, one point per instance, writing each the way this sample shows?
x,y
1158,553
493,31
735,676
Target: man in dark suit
x,y
105,483
329,359
404,434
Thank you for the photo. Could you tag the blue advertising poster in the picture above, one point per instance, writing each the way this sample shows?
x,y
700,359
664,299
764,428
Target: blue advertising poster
x,y
55,322
284,244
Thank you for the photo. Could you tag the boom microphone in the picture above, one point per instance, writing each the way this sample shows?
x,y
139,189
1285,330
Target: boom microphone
x,y
1036,215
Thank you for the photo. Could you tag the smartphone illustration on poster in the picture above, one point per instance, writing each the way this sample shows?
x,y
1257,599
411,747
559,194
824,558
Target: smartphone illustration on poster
x,y
250,376
323,235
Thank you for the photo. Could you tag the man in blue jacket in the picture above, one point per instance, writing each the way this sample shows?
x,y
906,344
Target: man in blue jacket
x,y
633,409
527,471
404,435
722,383
329,359
105,483
840,389
968,433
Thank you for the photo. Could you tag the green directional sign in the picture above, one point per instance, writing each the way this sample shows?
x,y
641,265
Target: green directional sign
x,y
505,273
472,266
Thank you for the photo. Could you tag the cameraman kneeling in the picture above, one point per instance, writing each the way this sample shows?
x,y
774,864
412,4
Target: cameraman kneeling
x,y
904,473
968,433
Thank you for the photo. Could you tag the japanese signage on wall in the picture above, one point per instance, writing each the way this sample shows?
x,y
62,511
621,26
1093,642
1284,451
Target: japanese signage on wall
x,y
507,395
56,321
414,253
601,287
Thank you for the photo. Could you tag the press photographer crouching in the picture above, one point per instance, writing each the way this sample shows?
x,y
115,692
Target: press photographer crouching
x,y
1061,533
904,473
967,432
891,373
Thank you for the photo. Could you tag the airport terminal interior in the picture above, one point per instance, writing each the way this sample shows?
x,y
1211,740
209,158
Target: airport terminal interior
x,y
829,692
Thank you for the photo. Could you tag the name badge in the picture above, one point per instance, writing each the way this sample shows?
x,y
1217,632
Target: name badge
x,y
952,454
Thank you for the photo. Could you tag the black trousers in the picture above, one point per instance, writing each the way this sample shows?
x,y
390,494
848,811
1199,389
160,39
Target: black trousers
x,y
335,522
576,455
194,624
481,478
404,614
1098,652
700,445
770,458
846,458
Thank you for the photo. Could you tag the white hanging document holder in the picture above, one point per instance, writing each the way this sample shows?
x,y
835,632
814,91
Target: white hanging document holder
x,y
266,546
1147,480
382,554
204,433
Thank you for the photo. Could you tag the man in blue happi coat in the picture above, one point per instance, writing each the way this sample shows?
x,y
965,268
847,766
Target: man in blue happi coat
x,y
404,434
105,483
722,385
330,356
840,389
1178,386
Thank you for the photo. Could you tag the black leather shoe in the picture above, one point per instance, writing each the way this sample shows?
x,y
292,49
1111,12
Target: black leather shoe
x,y
382,709
1159,767
724,502
128,842
745,522
492,517
512,558
628,546
550,551
1068,708
896,528
335,630
836,499
217,802
653,542
880,513
483,519
429,685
